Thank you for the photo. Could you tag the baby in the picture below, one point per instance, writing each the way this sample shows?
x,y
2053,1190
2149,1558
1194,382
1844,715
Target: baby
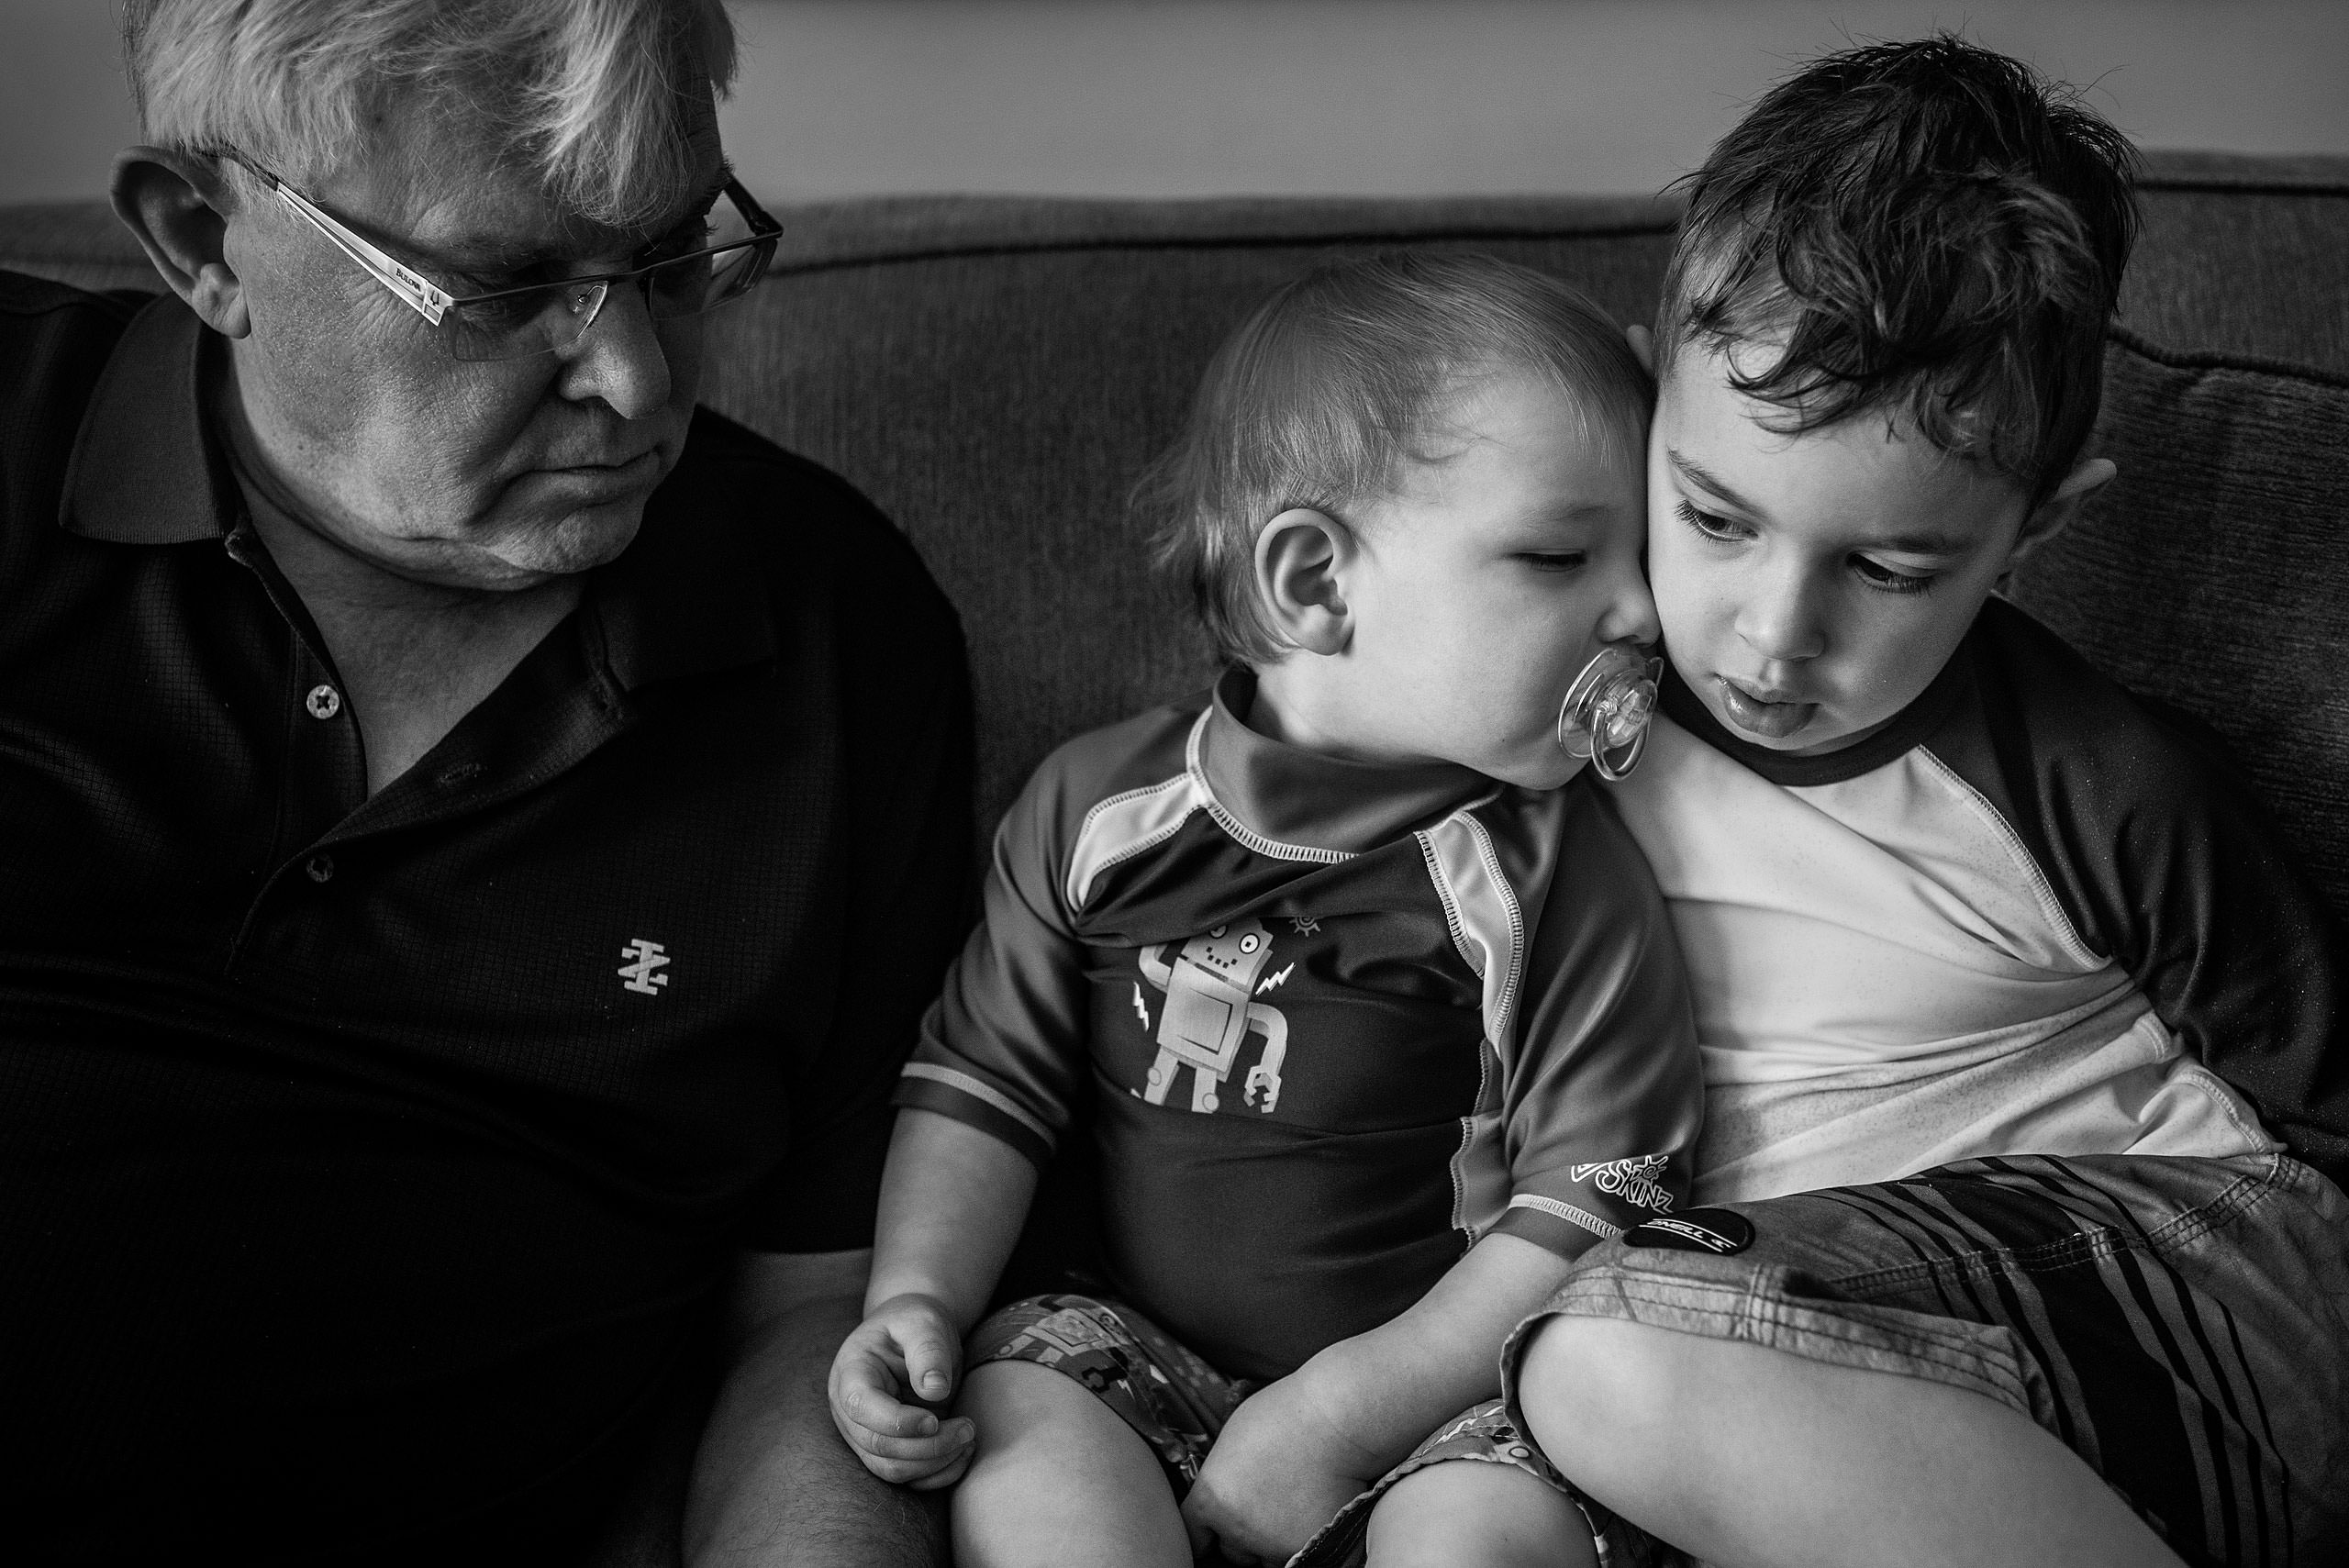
x,y
1365,997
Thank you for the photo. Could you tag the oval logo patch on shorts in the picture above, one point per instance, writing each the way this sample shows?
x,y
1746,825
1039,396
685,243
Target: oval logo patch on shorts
x,y
1697,1230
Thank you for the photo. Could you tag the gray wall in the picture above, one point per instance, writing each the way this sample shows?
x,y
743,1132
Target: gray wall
x,y
1186,97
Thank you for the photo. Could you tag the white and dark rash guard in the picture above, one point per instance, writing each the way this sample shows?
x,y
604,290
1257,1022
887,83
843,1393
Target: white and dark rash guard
x,y
1330,1022
2034,915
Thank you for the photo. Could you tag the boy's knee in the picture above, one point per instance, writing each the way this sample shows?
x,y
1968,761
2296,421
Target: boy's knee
x,y
1603,1396
1494,1516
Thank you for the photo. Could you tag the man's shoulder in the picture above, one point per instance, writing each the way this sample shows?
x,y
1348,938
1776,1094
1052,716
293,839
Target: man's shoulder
x,y
804,528
55,341
734,479
24,298
49,329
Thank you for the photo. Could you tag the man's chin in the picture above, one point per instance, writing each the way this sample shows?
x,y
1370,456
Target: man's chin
x,y
525,554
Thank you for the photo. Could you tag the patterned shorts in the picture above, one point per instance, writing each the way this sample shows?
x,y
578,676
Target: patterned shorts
x,y
1177,1403
2181,1324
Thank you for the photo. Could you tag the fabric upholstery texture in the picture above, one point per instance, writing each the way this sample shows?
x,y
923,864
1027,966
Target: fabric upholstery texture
x,y
995,370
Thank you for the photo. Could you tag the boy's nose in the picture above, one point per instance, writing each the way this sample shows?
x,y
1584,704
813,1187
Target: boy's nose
x,y
1778,621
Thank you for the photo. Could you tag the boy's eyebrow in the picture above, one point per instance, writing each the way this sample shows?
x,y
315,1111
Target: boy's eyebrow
x,y
1904,544
1691,468
1926,544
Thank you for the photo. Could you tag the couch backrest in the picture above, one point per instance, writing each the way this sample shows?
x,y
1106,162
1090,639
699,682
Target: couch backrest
x,y
994,371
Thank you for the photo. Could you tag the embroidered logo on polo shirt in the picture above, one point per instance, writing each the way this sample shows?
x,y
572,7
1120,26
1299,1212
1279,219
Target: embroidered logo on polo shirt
x,y
640,975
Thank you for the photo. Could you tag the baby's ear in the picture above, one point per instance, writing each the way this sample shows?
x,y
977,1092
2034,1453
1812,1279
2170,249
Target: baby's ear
x,y
2053,515
1300,555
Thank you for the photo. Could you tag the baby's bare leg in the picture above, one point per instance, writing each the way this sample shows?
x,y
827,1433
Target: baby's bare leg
x,y
1058,1480
1477,1516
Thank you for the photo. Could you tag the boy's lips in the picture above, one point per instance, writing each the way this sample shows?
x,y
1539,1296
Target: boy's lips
x,y
1760,711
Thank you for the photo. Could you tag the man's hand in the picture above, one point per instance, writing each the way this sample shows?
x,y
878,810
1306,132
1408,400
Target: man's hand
x,y
1281,1468
905,1349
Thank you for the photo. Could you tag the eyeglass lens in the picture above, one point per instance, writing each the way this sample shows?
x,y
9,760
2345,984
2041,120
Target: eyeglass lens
x,y
552,319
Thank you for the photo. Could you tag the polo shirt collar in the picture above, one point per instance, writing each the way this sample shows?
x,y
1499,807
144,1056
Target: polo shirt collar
x,y
145,469
685,599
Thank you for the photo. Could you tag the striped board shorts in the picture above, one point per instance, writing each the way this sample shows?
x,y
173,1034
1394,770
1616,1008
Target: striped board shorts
x,y
2180,1324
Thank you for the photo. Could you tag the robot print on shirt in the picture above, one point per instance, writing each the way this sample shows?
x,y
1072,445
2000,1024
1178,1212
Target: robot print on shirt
x,y
1209,1012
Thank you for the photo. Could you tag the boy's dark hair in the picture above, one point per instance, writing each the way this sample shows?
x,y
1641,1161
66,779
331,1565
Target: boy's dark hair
x,y
1929,229
1339,379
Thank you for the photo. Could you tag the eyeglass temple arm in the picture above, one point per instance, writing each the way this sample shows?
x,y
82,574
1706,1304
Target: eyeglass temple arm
x,y
421,293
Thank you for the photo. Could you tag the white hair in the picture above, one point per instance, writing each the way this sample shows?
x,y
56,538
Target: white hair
x,y
591,92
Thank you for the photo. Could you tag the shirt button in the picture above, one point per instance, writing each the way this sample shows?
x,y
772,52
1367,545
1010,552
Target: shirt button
x,y
324,702
321,867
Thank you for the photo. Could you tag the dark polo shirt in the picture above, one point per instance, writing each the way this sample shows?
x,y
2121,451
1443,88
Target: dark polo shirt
x,y
368,1164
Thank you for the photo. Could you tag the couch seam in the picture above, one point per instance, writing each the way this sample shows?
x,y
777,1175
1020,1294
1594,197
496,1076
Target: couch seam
x,y
1302,241
2181,359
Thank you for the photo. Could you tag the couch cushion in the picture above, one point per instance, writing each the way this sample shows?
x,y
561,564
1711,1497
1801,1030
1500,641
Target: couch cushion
x,y
2210,572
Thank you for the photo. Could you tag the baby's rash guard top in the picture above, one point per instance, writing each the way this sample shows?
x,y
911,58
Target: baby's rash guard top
x,y
2034,915
1330,1022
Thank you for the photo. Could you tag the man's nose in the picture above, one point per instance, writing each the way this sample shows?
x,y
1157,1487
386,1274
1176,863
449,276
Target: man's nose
x,y
619,358
1780,617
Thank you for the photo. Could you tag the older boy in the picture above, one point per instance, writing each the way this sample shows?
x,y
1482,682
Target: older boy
x,y
2018,1022
1367,1002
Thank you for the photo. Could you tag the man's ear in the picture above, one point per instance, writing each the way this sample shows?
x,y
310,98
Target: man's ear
x,y
178,205
1299,557
2053,515
1642,343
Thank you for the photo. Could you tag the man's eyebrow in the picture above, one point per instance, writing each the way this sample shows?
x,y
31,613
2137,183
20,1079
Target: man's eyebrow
x,y
1705,479
470,252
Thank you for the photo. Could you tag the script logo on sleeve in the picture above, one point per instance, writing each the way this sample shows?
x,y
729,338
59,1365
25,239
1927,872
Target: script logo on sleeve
x,y
1634,1180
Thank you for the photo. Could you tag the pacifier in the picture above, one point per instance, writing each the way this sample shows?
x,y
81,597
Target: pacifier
x,y
1606,713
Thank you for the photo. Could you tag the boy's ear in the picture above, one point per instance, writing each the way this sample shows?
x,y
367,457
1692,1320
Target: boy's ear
x,y
2053,515
177,204
1642,343
1299,557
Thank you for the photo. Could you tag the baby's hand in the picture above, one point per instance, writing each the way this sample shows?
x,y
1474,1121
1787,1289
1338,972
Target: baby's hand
x,y
905,1349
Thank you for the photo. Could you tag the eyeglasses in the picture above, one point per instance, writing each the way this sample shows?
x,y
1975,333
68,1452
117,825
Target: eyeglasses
x,y
545,319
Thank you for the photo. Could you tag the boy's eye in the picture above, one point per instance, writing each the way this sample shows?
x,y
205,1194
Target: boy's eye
x,y
1711,525
1558,560
1883,578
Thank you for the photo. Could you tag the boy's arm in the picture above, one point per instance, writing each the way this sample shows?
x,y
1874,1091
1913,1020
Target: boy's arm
x,y
1299,1450
2165,860
1602,1099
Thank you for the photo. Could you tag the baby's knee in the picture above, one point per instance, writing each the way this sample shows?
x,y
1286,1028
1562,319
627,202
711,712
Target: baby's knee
x,y
1484,1515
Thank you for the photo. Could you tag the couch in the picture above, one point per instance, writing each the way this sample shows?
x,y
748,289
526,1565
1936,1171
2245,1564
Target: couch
x,y
994,371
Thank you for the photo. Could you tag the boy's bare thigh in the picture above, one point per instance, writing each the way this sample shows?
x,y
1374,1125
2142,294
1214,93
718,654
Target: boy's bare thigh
x,y
2182,1325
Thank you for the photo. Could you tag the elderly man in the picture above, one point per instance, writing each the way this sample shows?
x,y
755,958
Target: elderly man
x,y
479,833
